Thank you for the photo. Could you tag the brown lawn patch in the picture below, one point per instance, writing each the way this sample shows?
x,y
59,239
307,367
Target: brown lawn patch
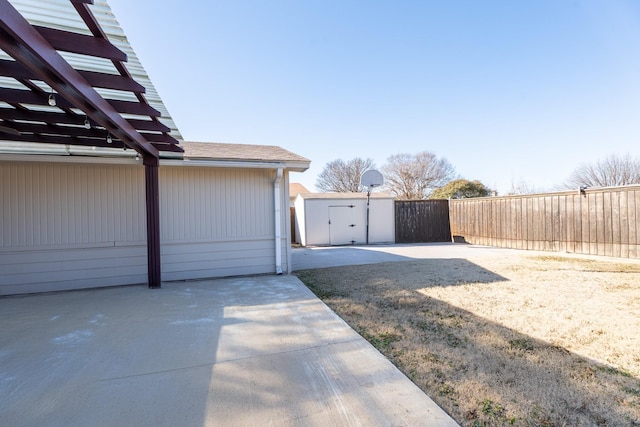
x,y
521,340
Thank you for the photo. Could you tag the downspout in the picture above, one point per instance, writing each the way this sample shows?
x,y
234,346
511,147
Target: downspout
x,y
278,219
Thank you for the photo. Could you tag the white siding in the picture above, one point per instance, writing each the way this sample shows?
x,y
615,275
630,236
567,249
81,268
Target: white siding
x,y
301,221
382,223
313,216
218,222
68,226
65,226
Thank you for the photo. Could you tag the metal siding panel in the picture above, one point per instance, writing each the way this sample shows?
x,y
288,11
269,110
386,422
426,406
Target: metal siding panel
x,y
217,259
56,204
210,204
53,270
47,207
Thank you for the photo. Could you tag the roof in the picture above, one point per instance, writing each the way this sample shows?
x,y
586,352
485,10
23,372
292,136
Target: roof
x,y
344,196
296,188
244,153
68,76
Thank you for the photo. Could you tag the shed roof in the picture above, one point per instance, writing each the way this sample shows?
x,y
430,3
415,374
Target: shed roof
x,y
334,196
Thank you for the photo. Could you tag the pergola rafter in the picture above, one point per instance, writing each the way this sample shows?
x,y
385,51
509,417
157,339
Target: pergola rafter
x,y
51,102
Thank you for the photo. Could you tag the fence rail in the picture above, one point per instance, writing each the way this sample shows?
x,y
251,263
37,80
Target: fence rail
x,y
422,221
597,222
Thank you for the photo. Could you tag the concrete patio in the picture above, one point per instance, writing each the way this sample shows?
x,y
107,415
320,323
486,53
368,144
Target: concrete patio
x,y
232,352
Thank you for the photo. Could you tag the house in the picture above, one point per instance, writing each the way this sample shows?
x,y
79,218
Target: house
x,y
295,188
331,219
97,187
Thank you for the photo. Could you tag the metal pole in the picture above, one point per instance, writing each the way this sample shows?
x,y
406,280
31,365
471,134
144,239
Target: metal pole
x,y
368,195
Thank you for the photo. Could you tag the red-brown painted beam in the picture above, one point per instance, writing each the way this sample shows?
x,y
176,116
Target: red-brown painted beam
x,y
149,125
73,131
112,81
81,44
102,80
64,140
72,119
152,193
162,138
18,96
168,147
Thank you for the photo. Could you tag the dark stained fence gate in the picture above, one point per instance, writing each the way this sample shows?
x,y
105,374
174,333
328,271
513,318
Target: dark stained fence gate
x,y
419,221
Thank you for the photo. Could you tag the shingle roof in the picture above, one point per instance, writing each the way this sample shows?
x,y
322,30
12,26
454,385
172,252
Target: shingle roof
x,y
239,152
296,188
345,195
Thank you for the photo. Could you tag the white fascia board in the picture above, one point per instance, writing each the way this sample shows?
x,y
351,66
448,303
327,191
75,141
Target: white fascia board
x,y
122,160
297,167
128,158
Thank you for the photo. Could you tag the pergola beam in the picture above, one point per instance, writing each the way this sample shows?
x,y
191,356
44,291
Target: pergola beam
x,y
95,79
72,119
78,131
81,44
18,96
63,140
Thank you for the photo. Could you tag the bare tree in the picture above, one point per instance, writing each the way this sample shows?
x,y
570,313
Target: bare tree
x,y
343,177
523,187
613,170
411,177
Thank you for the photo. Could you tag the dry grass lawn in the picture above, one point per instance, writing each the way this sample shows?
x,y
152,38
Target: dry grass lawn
x,y
524,339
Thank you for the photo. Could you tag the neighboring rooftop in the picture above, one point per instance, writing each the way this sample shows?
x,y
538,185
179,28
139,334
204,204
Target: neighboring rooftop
x,y
296,188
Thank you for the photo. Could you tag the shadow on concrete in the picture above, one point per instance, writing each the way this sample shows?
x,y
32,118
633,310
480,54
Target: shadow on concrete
x,y
332,256
415,274
245,351
479,371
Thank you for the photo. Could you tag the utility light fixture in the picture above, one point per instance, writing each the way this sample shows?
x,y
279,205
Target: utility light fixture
x,y
52,100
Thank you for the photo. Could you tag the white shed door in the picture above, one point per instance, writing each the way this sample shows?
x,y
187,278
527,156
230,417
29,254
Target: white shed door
x,y
341,225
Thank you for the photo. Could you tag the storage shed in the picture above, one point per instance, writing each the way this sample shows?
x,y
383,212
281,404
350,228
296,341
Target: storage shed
x,y
332,219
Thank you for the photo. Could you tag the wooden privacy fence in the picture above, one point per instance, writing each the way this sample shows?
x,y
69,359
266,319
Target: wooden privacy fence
x,y
597,221
422,221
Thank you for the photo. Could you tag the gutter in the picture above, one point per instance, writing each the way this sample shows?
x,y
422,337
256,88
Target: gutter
x,y
278,220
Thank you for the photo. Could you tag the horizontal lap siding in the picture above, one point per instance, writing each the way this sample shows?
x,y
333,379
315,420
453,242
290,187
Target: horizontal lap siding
x,y
600,222
217,259
79,268
69,226
218,222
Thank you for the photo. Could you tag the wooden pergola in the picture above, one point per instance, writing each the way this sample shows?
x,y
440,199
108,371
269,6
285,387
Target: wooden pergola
x,y
58,104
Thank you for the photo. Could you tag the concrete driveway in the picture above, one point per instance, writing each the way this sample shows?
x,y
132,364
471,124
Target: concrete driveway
x,y
232,352
333,256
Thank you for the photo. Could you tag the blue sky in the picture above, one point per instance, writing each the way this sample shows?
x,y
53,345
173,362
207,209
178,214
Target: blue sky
x,y
510,92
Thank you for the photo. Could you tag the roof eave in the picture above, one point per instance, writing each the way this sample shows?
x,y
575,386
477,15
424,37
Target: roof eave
x,y
244,164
